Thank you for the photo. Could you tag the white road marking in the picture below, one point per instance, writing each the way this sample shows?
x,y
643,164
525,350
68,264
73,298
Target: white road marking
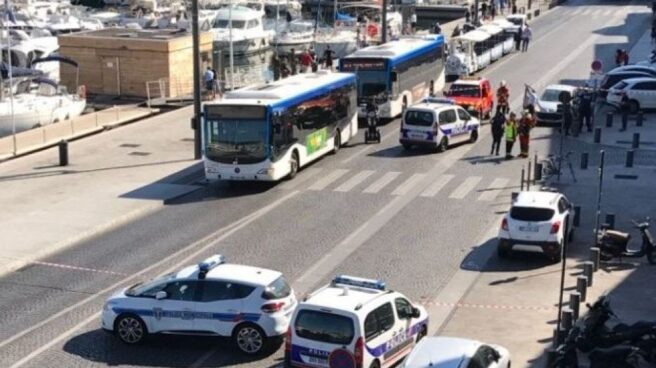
x,y
587,12
369,147
577,11
302,177
325,181
408,184
355,180
463,189
382,182
494,189
609,12
213,239
434,188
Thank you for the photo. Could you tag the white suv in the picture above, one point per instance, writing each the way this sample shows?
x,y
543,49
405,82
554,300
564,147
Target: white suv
x,y
250,304
355,321
537,221
640,91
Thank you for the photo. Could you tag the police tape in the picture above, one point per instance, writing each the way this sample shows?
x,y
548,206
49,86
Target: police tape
x,y
486,306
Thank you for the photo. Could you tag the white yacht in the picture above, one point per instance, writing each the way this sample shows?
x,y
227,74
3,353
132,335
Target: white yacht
x,y
247,33
297,35
24,50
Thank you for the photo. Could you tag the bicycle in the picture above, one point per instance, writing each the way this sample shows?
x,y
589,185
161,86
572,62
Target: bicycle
x,y
551,164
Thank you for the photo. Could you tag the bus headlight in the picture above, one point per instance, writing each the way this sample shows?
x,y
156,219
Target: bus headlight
x,y
268,171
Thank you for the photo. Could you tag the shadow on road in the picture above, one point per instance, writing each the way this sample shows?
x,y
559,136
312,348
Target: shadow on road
x,y
518,261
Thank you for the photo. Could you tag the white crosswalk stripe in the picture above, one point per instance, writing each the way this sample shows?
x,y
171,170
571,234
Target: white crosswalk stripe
x,y
379,184
328,179
434,188
463,189
302,177
577,11
408,184
493,189
354,181
609,12
587,12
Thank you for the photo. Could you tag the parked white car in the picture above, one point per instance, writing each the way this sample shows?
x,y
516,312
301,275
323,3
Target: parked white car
x,y
453,352
548,109
537,221
640,91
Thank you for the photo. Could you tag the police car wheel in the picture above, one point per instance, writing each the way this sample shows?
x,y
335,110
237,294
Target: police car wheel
x,y
444,144
407,146
250,339
375,364
473,136
422,333
130,329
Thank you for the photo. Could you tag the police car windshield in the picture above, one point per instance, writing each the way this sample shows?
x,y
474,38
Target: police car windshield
x,y
464,90
149,286
324,327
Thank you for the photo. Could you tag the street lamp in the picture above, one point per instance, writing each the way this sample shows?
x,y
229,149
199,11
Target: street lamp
x,y
195,120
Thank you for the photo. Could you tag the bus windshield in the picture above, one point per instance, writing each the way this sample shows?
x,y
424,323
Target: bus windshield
x,y
236,134
372,74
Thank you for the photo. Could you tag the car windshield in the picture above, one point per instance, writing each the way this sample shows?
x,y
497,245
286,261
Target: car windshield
x,y
551,95
531,214
324,327
464,90
149,286
420,118
277,290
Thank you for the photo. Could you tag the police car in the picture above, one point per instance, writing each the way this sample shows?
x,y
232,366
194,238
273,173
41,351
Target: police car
x,y
437,123
252,305
353,323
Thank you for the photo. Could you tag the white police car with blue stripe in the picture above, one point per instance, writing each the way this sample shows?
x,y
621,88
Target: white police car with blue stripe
x,y
252,305
437,123
353,323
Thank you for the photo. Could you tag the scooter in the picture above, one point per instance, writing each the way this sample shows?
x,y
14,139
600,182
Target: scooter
x,y
614,244
373,133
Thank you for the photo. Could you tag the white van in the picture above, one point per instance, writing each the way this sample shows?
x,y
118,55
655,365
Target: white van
x,y
437,123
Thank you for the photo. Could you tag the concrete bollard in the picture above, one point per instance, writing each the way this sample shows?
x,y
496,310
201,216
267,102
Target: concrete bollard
x,y
559,335
625,121
581,287
597,135
574,305
629,158
595,256
577,216
584,160
640,118
588,268
513,196
63,153
551,357
566,319
609,119
636,140
610,220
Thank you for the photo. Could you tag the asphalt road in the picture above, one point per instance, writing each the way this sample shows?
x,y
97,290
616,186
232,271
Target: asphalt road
x,y
371,210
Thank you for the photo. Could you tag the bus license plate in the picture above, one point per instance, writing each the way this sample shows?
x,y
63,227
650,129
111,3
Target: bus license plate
x,y
529,229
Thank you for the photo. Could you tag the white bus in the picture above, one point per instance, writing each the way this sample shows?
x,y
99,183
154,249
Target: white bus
x,y
399,73
268,132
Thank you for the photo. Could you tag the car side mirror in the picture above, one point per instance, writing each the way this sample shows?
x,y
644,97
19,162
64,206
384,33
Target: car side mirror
x,y
415,313
161,295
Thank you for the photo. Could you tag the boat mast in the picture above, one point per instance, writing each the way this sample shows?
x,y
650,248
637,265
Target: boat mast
x,y
5,19
232,54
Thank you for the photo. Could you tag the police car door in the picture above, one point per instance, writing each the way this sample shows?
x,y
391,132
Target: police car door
x,y
466,122
175,312
381,333
220,306
409,329
450,125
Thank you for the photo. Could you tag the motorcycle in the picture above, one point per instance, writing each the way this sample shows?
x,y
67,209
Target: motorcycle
x,y
614,244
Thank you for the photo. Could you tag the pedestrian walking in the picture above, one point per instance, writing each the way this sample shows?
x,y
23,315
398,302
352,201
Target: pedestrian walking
x,y
216,84
527,34
467,16
526,123
208,79
292,61
510,133
413,22
328,58
585,110
306,61
518,39
493,10
568,117
503,96
514,6
484,10
437,29
497,125
275,65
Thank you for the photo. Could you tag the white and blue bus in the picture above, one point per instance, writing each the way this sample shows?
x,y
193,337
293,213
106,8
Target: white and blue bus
x,y
398,72
268,132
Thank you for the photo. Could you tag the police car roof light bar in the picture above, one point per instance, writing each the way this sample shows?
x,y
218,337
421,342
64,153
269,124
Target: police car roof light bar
x,y
359,282
208,264
441,100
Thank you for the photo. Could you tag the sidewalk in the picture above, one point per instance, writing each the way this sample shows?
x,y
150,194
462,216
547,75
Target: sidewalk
x,y
112,178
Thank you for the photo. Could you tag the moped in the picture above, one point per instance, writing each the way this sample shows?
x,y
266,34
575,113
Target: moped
x,y
615,244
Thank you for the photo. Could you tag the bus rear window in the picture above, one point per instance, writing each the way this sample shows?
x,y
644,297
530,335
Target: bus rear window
x,y
419,118
277,290
324,327
531,214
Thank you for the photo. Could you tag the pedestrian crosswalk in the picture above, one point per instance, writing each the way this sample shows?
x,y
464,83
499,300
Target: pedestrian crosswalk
x,y
396,183
600,11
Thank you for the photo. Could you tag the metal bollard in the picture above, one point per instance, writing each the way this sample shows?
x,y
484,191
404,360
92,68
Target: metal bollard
x,y
551,357
595,256
625,121
577,216
610,220
581,287
597,135
574,305
528,177
588,268
522,184
584,160
537,175
629,158
559,335
609,119
636,140
640,118
566,319
63,153
513,196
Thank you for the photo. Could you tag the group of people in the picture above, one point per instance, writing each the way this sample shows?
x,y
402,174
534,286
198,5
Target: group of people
x,y
523,37
490,11
211,81
505,125
305,62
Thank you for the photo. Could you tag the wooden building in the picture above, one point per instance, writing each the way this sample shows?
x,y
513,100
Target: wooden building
x,y
121,62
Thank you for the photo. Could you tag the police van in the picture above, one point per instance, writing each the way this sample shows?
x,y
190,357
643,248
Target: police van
x,y
437,123
353,323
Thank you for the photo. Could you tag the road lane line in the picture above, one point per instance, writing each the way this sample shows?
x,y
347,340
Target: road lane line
x,y
497,185
382,182
355,180
325,181
213,239
369,147
302,177
463,189
434,188
408,184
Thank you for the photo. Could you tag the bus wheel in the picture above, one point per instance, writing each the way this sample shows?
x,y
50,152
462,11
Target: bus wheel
x,y
293,165
337,141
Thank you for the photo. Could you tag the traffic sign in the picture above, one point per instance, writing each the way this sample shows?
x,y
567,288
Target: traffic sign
x,y
596,65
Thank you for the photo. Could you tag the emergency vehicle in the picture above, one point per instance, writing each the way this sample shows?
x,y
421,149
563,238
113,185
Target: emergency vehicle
x,y
353,323
437,123
475,94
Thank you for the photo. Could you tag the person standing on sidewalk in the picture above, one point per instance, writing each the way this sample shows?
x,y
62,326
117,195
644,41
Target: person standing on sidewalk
x,y
526,123
497,125
585,110
306,61
527,34
518,39
208,78
510,133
